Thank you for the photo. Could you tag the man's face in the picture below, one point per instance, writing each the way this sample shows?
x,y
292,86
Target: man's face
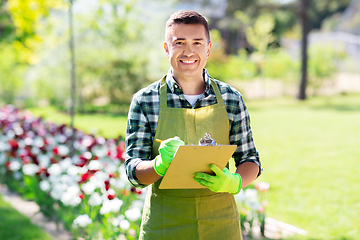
x,y
187,48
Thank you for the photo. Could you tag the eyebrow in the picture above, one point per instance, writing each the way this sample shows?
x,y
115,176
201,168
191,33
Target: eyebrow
x,y
195,39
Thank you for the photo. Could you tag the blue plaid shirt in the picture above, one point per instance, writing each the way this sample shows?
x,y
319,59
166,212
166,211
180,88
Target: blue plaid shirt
x,y
144,113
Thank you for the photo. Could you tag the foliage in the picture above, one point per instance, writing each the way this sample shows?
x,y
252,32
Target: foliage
x,y
11,72
224,67
322,64
279,64
259,35
111,62
19,23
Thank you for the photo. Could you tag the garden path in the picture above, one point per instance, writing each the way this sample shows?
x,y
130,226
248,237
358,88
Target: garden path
x,y
273,229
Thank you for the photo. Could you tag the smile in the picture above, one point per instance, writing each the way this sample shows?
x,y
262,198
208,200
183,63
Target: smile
x,y
188,61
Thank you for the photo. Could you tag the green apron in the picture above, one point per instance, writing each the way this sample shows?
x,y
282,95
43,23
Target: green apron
x,y
190,214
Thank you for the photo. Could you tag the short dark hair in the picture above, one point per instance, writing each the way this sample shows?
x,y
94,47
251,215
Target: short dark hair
x,y
188,17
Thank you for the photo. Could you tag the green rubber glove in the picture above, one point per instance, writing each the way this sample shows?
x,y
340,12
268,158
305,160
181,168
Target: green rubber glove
x,y
223,181
167,151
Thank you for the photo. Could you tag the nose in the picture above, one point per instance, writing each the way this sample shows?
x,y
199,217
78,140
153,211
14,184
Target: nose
x,y
188,51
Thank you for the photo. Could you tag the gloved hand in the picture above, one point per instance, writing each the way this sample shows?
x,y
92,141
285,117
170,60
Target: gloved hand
x,y
223,181
167,151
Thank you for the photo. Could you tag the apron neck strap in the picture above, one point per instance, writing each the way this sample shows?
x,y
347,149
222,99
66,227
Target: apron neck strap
x,y
163,92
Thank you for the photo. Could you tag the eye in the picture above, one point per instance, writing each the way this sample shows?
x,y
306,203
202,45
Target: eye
x,y
197,43
179,43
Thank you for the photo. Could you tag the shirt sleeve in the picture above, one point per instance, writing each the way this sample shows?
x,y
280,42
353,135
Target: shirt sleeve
x,y
138,141
241,133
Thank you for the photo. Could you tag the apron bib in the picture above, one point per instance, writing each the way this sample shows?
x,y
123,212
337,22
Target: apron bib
x,y
190,214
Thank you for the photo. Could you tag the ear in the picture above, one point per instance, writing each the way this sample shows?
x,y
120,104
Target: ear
x,y
209,48
166,47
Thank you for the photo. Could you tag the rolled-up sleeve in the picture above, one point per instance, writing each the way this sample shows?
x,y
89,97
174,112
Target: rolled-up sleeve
x,y
138,141
241,133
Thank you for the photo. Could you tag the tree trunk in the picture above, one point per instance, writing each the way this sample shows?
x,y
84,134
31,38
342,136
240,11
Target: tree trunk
x,y
72,77
304,4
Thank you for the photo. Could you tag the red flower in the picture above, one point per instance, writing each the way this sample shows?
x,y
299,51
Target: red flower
x,y
86,176
56,150
82,196
26,160
111,196
136,190
13,143
107,185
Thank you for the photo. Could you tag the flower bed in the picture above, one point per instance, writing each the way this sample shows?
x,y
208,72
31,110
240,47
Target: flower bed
x,y
88,192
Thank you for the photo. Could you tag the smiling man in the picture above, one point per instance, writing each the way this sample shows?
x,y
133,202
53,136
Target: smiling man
x,y
180,108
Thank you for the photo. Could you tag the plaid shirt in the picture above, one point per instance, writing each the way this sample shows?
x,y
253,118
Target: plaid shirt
x,y
144,113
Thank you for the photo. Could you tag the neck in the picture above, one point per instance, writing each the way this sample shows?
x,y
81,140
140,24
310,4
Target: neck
x,y
191,86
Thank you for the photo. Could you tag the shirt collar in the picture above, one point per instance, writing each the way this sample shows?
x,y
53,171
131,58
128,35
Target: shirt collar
x,y
174,86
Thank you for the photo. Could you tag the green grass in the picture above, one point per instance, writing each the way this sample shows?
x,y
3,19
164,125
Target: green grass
x,y
106,125
15,226
310,151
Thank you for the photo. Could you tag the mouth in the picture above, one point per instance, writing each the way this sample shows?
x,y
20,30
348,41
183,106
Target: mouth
x,y
188,62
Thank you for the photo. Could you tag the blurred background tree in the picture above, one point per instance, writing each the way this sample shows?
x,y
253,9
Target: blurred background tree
x,y
119,46
19,23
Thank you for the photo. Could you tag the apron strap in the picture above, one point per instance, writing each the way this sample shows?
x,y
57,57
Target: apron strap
x,y
219,98
163,92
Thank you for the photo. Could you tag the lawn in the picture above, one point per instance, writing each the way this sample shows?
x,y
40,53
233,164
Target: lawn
x,y
309,150
15,226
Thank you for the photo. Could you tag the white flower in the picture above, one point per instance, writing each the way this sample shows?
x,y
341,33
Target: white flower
x,y
118,183
28,141
111,206
82,221
57,190
99,151
95,199
38,142
73,170
60,138
240,197
98,178
65,164
111,167
44,160
30,169
54,169
124,224
35,151
94,165
63,150
4,146
2,157
133,214
45,185
71,196
116,222
122,173
88,187
15,165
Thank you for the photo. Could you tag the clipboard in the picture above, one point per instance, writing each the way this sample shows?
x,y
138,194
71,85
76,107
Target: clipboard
x,y
190,159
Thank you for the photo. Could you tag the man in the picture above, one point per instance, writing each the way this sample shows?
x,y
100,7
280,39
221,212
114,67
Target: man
x,y
187,103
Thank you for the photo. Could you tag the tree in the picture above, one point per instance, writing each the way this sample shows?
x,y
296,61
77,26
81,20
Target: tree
x,y
304,46
19,21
